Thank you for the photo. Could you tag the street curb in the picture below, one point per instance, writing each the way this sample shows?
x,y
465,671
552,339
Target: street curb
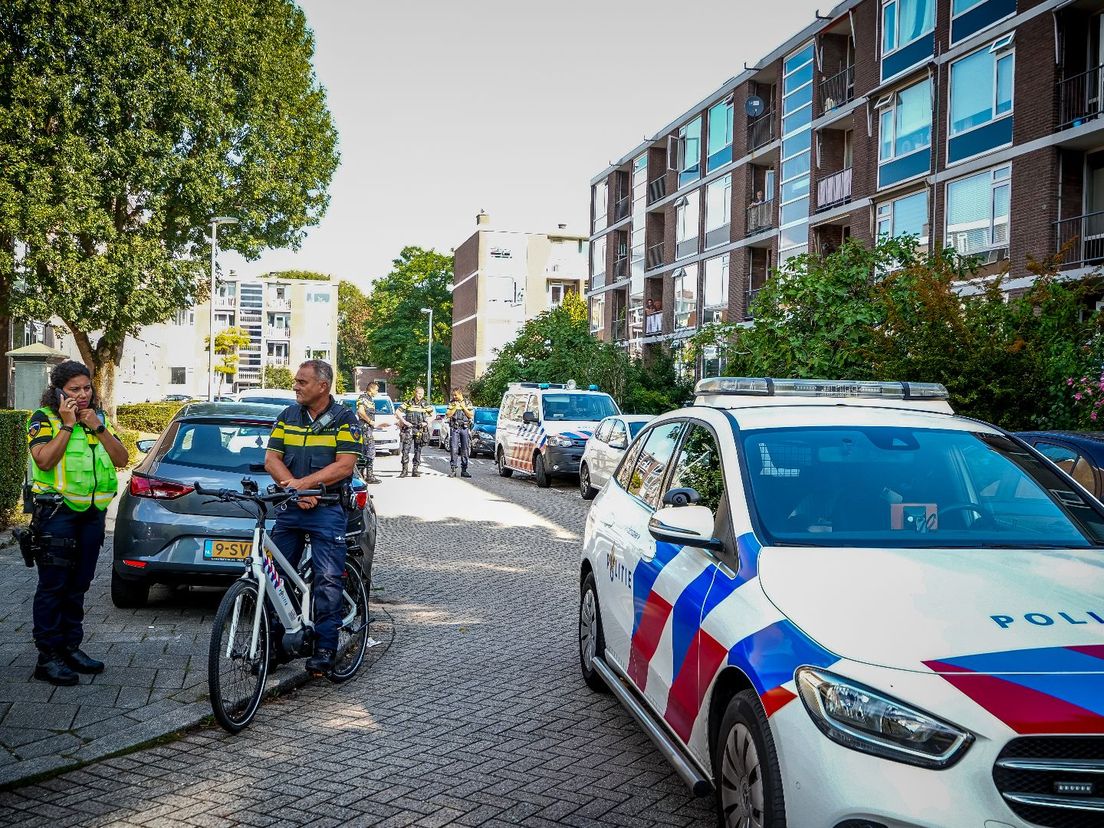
x,y
137,737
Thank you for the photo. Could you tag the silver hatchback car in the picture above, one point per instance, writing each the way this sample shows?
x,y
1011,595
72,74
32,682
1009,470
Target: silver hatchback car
x,y
166,533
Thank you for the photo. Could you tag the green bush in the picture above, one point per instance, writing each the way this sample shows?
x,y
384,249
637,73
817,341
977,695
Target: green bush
x,y
13,460
148,417
129,438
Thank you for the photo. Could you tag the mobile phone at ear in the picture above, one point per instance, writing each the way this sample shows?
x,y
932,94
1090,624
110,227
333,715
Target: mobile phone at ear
x,y
60,396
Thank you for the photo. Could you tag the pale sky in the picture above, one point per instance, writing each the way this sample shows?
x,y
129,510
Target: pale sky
x,y
446,107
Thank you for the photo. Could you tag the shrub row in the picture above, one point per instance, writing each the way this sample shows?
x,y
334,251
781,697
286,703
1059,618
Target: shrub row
x,y
148,417
13,461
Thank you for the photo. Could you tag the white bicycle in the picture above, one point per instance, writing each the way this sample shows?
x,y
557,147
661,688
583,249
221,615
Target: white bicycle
x,y
241,635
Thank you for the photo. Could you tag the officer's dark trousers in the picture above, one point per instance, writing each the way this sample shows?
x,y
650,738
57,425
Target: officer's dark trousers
x,y
368,453
409,442
459,447
325,524
58,609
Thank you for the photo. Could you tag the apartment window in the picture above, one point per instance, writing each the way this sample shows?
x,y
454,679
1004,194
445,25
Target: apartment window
x,y
977,211
600,198
904,216
687,214
718,211
321,297
689,152
185,317
981,101
557,291
686,298
969,16
719,145
178,376
797,90
715,290
904,21
904,134
597,312
598,262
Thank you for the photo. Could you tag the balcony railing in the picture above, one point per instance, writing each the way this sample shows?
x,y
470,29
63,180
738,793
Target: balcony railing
x,y
761,131
618,330
653,324
838,89
277,303
225,302
621,208
1079,98
657,189
276,361
277,333
654,257
621,268
834,189
1084,237
760,217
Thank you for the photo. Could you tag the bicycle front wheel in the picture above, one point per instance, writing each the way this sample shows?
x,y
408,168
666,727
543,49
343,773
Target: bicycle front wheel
x,y
352,636
236,681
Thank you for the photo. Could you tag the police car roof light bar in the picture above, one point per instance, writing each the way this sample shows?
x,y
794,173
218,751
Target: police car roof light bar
x,y
770,387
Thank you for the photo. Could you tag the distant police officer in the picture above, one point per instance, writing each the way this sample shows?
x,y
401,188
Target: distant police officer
x,y
313,443
366,412
460,416
74,452
413,416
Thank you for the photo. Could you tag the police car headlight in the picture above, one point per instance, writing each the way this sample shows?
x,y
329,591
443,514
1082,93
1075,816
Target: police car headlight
x,y
862,719
562,442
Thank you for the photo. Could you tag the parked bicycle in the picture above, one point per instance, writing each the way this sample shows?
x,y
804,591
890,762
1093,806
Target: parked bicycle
x,y
243,639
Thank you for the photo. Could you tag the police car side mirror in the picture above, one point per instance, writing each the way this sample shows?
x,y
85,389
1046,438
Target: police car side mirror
x,y
529,418
621,444
685,526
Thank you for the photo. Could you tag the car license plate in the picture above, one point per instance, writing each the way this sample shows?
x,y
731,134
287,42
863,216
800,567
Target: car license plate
x,y
233,550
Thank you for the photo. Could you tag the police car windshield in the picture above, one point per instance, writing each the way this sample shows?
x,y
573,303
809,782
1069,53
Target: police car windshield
x,y
906,487
569,406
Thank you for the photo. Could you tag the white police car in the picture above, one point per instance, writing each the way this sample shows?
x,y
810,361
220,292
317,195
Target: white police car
x,y
839,604
543,428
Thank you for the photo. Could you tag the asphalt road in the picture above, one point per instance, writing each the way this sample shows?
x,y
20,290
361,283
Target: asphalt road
x,y
472,711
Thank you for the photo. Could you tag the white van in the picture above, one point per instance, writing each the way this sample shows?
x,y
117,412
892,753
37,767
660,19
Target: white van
x,y
543,428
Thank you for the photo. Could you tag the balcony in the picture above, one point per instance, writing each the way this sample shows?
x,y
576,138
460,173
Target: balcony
x,y
834,189
657,189
653,324
622,207
277,334
760,217
277,303
838,89
1081,239
654,257
225,302
621,268
276,361
761,131
1079,98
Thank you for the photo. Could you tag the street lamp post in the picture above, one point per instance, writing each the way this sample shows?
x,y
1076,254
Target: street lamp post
x,y
429,358
215,222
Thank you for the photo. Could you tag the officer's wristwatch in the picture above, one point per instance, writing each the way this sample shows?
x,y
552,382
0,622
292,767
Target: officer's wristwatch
x,y
101,429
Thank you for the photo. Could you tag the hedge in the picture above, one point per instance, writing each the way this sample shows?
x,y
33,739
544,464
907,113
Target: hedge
x,y
13,461
129,438
152,418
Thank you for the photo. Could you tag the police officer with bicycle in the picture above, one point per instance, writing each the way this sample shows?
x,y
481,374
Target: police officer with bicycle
x,y
315,443
413,416
74,452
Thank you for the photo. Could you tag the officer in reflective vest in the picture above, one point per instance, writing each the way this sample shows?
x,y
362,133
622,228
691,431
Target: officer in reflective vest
x,y
460,416
74,452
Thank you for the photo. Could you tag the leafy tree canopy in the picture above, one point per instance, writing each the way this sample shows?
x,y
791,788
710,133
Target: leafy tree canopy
x,y
124,127
301,275
354,318
397,336
277,376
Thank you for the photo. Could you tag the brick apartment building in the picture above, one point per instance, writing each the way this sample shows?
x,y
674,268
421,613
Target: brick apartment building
x,y
969,123
502,279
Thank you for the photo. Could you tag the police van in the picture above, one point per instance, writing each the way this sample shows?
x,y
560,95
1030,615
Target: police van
x,y
840,604
543,428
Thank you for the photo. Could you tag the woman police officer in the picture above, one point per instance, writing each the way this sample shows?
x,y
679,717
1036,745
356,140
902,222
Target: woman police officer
x,y
74,453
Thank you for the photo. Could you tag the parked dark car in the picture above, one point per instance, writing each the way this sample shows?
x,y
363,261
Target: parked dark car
x,y
166,533
483,431
1080,454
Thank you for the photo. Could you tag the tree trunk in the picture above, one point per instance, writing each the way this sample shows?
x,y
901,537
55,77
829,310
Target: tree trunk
x,y
101,360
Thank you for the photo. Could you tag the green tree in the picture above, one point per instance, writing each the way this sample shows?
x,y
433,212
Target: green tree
x,y
227,344
277,376
354,320
301,275
398,335
124,127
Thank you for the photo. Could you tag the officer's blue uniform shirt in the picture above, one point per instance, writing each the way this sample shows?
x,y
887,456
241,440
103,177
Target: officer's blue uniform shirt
x,y
308,445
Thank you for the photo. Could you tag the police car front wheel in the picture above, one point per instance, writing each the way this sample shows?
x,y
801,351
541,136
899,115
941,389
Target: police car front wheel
x,y
749,783
503,469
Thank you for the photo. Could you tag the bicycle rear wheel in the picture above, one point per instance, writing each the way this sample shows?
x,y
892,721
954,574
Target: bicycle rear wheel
x,y
352,636
235,681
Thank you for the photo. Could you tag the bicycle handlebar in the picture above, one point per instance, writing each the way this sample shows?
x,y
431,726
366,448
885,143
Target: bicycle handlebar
x,y
271,497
